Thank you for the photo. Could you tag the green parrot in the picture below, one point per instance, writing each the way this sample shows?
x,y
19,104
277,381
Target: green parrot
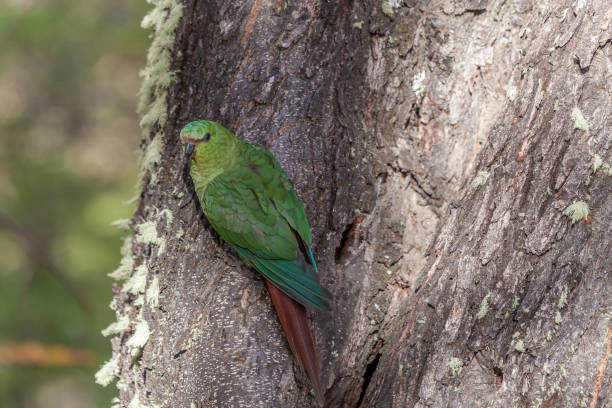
x,y
250,202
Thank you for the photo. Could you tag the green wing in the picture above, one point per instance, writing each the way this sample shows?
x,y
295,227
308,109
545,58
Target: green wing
x,y
254,208
280,191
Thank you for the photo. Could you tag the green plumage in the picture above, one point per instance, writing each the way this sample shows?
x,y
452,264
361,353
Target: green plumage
x,y
250,202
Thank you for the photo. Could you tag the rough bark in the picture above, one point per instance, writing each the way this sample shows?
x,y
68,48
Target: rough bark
x,y
436,146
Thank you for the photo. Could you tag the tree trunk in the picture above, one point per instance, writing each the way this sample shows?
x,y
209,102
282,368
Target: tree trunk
x,y
446,154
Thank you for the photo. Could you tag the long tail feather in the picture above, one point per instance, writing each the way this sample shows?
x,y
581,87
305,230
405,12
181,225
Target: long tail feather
x,y
293,318
296,280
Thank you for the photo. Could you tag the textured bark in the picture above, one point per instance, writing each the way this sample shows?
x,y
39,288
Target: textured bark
x,y
449,289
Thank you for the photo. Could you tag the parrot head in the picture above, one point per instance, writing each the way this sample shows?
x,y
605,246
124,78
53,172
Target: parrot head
x,y
207,141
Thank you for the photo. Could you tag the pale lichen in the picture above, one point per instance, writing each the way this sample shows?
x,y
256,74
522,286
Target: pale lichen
x,y
456,365
138,281
127,261
484,307
597,162
140,336
386,8
150,159
117,327
480,178
577,211
515,303
152,294
358,24
561,304
580,122
146,233
563,297
121,223
179,233
511,93
135,401
418,84
107,373
163,19
517,343
169,216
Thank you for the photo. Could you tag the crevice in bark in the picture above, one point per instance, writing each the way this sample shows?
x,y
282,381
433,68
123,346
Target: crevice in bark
x,y
350,234
367,377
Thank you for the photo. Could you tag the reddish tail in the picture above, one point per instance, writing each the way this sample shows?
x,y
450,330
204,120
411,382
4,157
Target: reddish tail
x,y
292,316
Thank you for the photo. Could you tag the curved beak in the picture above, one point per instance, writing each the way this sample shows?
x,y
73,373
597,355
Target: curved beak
x,y
189,149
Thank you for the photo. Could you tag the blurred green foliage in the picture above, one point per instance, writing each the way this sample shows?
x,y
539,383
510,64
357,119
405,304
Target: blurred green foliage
x,y
68,137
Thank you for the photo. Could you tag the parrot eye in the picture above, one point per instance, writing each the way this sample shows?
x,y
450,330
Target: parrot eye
x,y
206,137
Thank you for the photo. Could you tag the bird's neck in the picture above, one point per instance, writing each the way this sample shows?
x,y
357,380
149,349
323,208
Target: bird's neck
x,y
204,171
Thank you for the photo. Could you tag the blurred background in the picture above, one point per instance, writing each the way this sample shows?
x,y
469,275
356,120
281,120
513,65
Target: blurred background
x,y
68,140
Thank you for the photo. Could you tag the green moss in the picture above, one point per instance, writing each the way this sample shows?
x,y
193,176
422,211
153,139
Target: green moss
x,y
580,122
577,211
456,365
484,307
480,178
